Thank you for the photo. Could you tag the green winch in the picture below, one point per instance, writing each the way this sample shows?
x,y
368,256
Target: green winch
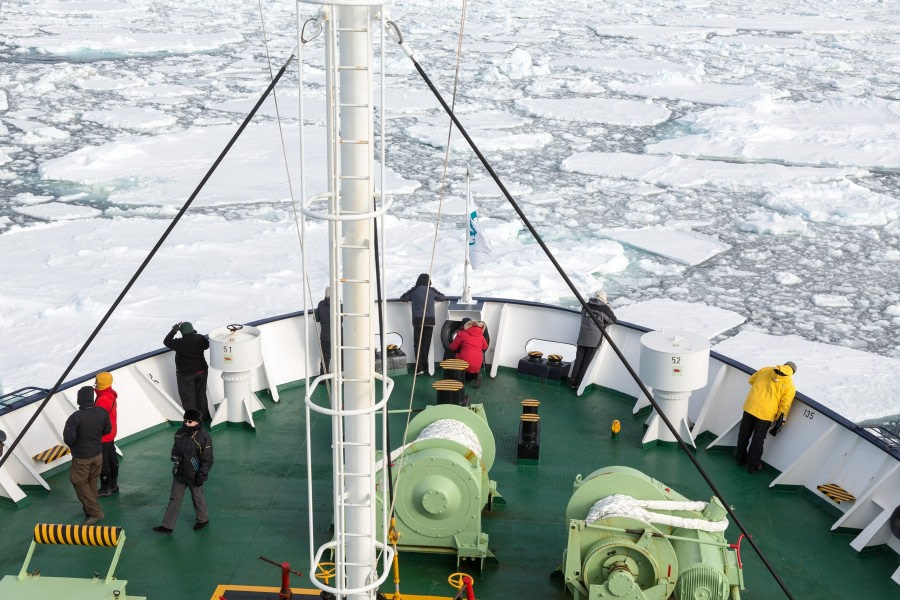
x,y
634,538
441,482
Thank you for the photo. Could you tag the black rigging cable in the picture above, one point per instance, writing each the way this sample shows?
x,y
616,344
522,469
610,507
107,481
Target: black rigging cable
x,y
384,358
147,260
408,51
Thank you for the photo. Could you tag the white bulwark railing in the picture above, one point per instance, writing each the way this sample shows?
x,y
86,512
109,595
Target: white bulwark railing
x,y
822,447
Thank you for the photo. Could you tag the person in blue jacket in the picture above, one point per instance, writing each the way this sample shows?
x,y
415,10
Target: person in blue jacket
x,y
190,366
192,458
423,297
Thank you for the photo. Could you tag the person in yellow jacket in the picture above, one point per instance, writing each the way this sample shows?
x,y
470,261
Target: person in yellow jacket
x,y
771,394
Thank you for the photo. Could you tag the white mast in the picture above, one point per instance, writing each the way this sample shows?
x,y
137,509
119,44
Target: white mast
x,y
351,214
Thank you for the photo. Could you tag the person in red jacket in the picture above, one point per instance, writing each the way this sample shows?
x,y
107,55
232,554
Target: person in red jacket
x,y
470,345
106,399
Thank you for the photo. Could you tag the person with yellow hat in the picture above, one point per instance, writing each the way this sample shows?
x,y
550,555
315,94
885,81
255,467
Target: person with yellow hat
x,y
771,395
106,399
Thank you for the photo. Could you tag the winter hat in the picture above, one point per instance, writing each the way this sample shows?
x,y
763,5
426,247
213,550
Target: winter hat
x,y
186,328
85,396
192,414
600,295
465,320
103,381
790,365
328,291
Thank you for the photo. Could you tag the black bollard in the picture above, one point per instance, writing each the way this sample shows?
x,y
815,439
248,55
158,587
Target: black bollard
x,y
528,447
449,391
454,368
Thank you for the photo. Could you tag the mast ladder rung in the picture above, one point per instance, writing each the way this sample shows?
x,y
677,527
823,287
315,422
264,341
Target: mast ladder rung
x,y
356,535
357,444
356,505
354,564
366,281
352,68
354,348
349,474
356,315
352,105
356,379
355,143
353,29
353,178
354,246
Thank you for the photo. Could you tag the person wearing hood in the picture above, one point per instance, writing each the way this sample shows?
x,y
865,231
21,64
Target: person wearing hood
x,y
771,395
192,459
322,315
423,297
83,434
470,344
106,399
190,366
589,336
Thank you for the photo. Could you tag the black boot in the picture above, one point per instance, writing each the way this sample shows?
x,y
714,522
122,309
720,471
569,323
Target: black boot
x,y
105,490
113,485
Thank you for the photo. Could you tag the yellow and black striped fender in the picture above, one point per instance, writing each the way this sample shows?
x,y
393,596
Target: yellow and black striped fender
x,y
77,535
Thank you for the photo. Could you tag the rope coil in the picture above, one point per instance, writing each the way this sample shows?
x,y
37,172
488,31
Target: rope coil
x,y
442,429
620,505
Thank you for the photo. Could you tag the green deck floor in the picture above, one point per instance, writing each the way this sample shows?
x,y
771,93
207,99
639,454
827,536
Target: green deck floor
x,y
257,503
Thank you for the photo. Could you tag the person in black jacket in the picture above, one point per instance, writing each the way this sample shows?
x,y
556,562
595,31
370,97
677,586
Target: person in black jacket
x,y
192,458
423,297
323,318
589,336
190,366
83,434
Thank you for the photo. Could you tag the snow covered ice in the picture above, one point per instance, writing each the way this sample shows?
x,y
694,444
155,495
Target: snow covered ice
x,y
729,167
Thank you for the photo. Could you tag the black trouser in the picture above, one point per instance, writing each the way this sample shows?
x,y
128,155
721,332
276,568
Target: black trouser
x,y
192,391
583,357
325,367
422,332
110,470
753,430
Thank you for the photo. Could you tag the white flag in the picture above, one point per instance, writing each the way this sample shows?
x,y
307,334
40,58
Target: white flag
x,y
479,247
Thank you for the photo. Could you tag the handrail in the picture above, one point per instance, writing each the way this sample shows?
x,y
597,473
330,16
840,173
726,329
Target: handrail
x,y
885,443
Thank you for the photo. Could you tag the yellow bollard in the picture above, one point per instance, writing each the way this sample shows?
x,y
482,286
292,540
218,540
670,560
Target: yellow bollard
x,y
616,428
